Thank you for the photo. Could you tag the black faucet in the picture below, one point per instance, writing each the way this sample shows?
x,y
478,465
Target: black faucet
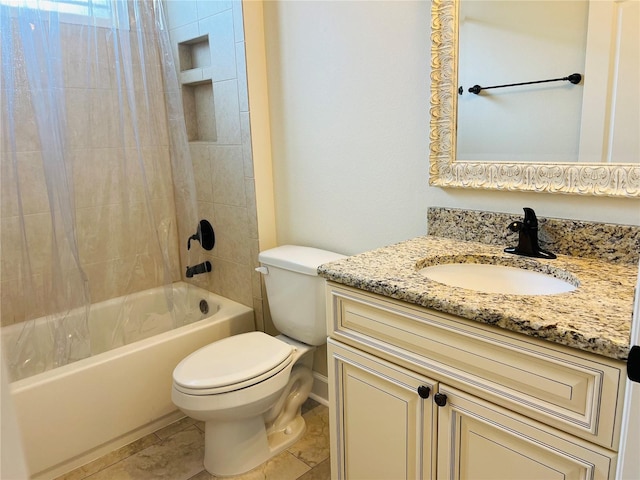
x,y
528,237
197,269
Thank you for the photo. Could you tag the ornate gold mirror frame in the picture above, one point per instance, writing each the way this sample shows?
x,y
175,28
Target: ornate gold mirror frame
x,y
618,180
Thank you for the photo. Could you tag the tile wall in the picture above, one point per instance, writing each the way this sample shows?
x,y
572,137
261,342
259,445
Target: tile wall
x,y
207,38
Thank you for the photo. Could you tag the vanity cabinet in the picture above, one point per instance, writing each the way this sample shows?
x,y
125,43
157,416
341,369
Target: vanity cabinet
x,y
421,394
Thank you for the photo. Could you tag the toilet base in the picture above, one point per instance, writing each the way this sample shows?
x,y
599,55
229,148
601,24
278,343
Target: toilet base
x,y
233,448
237,446
280,441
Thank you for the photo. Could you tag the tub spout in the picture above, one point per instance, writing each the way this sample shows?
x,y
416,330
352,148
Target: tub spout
x,y
203,267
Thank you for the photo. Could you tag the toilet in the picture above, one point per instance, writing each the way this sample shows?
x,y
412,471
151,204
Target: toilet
x,y
248,388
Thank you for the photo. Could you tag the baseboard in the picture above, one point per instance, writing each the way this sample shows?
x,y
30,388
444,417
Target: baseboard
x,y
320,389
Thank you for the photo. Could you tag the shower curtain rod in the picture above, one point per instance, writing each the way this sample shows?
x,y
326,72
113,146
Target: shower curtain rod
x,y
574,78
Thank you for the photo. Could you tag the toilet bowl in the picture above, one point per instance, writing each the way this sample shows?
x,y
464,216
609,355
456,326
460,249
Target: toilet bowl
x,y
248,388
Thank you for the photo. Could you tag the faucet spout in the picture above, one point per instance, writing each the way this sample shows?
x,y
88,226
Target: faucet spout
x,y
528,237
203,267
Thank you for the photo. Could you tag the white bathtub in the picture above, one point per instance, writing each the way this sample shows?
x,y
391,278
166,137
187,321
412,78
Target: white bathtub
x,y
74,413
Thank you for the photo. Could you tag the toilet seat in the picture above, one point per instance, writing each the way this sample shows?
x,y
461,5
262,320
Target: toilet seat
x,y
233,363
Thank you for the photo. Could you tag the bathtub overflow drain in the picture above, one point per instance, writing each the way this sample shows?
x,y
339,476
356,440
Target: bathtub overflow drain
x,y
204,306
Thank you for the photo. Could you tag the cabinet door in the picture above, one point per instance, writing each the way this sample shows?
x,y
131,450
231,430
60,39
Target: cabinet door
x,y
381,428
478,440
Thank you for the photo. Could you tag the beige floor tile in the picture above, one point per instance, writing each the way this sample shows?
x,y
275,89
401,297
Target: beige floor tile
x,y
175,427
179,457
110,458
203,475
313,447
281,467
320,472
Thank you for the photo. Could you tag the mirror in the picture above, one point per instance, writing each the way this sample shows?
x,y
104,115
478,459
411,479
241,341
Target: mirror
x,y
538,173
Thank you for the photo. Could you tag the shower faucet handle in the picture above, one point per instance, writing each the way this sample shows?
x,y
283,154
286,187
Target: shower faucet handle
x,y
204,235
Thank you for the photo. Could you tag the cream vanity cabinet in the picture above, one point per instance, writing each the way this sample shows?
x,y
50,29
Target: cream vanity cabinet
x,y
416,393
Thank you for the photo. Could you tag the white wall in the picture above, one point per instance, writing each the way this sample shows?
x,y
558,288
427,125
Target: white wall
x,y
349,97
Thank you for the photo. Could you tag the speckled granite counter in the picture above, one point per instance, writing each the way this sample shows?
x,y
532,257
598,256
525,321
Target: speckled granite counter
x,y
596,317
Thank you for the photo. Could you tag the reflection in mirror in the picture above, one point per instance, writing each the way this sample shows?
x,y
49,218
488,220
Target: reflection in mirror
x,y
606,104
514,42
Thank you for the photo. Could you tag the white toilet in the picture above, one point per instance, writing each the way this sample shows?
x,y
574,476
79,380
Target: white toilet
x,y
248,388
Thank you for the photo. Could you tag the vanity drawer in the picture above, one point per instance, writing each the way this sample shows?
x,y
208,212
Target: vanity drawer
x,y
574,391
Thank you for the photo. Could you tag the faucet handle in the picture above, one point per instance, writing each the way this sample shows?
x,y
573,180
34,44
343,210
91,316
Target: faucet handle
x,y
530,219
515,226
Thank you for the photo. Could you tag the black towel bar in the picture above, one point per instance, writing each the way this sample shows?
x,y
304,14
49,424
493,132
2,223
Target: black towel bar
x,y
574,78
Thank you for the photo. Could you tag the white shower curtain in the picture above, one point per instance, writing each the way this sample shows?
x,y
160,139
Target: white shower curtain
x,y
95,169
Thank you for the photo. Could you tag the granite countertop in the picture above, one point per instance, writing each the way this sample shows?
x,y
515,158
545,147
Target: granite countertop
x,y
595,317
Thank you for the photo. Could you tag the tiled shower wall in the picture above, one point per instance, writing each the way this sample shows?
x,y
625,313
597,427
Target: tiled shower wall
x,y
207,38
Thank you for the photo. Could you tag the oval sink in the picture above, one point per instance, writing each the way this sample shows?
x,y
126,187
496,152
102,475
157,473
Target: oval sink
x,y
491,278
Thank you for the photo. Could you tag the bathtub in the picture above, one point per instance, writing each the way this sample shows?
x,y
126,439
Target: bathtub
x,y
72,414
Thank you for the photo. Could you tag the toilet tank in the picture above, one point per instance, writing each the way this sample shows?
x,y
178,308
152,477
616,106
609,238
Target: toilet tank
x,y
295,292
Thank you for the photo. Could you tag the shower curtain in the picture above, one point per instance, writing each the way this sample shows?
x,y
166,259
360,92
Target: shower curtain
x,y
95,170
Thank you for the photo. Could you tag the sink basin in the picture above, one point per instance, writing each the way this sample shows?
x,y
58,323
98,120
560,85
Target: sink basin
x,y
491,278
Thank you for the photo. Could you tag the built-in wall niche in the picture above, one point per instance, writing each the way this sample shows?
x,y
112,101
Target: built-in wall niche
x,y
200,119
194,53
194,57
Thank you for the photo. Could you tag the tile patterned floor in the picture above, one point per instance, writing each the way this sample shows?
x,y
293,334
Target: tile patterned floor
x,y
175,453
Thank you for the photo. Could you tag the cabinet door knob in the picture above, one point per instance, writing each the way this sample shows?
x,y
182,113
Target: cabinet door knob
x,y
424,391
441,399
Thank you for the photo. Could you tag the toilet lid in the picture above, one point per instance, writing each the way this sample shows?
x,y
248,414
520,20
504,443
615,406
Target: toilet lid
x,y
231,361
